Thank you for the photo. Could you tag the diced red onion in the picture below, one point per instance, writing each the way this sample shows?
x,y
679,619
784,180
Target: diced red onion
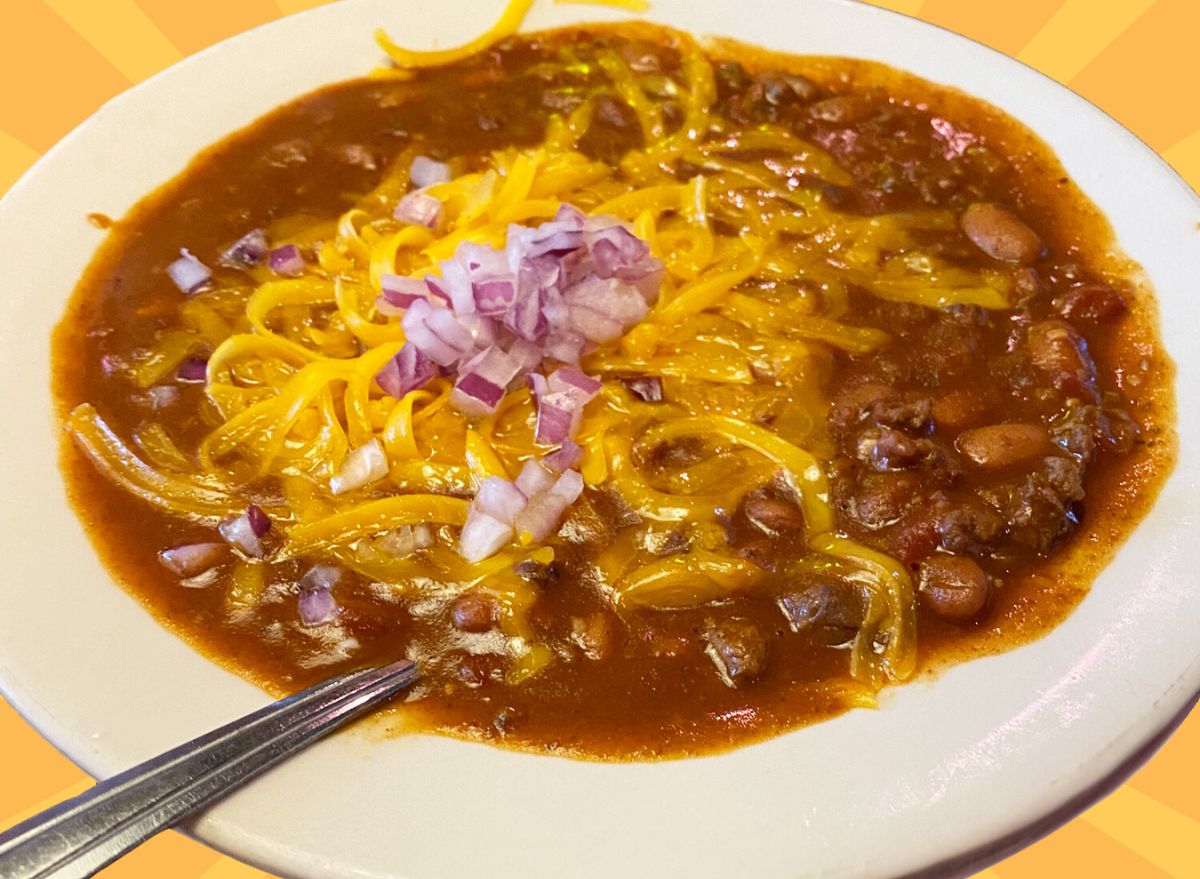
x,y
482,330
567,346
617,253
545,296
456,282
573,381
407,371
650,284
419,334
499,499
534,479
320,577
398,293
483,381
419,208
260,522
570,215
495,296
482,536
568,487
110,364
194,369
191,559
610,299
438,289
544,512
557,418
162,396
247,252
646,387
554,241
364,465
527,316
475,396
189,274
451,330
565,457
425,171
526,355
287,261
537,384
594,325
406,540
238,532
317,607
560,402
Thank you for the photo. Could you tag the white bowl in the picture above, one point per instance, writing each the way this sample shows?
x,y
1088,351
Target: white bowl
x,y
946,777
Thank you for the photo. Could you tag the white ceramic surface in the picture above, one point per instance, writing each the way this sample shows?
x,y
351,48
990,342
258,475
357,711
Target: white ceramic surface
x,y
941,773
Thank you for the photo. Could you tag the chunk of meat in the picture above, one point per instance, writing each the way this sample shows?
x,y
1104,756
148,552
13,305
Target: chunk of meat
x,y
672,454
594,634
475,612
842,109
962,523
661,643
773,515
1091,303
1059,352
1085,428
779,89
1000,234
879,404
1041,509
832,610
947,349
665,543
738,649
881,499
476,669
538,573
1003,445
884,448
954,587
967,526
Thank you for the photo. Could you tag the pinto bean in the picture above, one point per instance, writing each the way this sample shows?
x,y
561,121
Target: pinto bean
x,y
1060,353
1003,445
475,612
957,409
842,109
1093,303
954,587
1000,234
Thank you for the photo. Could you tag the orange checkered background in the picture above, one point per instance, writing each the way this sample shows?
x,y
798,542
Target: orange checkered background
x,y
61,59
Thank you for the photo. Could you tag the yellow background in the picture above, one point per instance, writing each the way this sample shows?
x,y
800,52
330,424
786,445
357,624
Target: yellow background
x,y
60,59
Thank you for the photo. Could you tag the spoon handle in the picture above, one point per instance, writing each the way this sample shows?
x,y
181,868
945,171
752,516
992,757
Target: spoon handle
x,y
80,836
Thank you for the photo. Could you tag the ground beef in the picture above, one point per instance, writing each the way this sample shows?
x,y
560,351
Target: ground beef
x,y
1042,508
830,609
738,649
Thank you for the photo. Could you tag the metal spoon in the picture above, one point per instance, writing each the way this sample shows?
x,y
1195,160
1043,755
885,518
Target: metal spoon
x,y
82,835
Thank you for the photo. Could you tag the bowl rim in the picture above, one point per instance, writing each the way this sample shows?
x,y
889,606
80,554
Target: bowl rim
x,y
1128,746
